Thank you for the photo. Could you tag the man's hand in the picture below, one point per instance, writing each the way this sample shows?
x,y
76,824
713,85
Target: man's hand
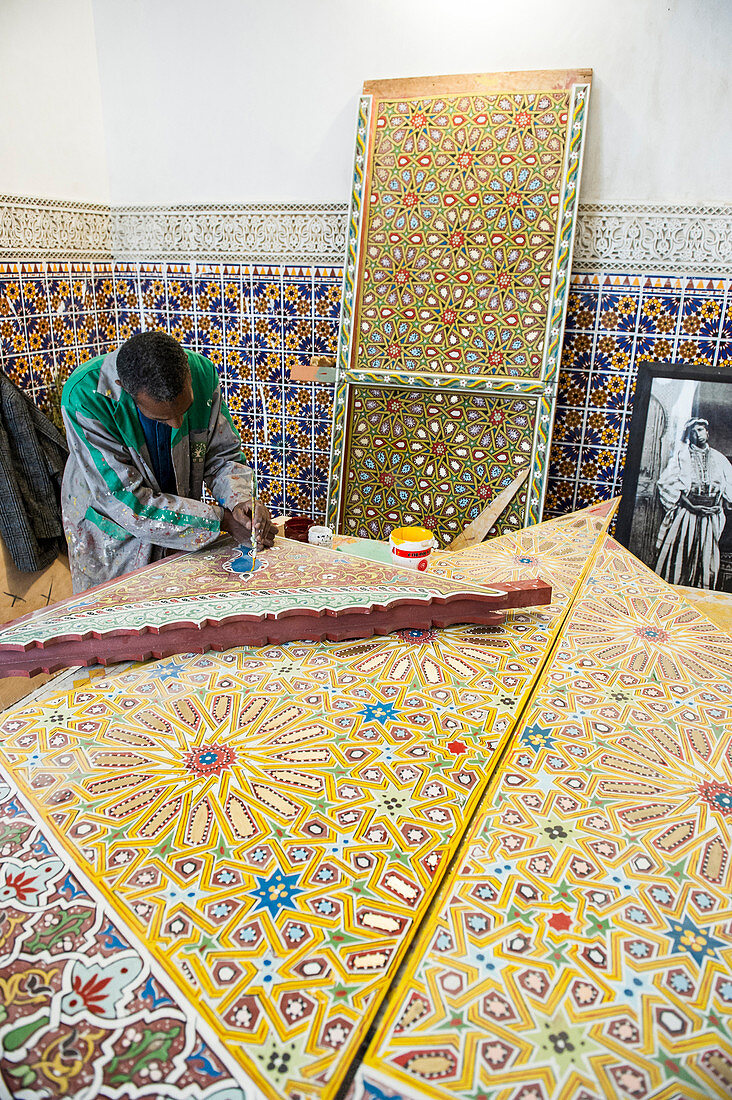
x,y
238,522
241,533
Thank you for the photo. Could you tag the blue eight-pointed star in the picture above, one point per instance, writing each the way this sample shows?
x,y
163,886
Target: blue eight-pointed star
x,y
276,892
379,712
686,936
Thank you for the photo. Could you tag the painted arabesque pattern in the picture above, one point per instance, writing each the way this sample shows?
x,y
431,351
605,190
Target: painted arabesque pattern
x,y
583,945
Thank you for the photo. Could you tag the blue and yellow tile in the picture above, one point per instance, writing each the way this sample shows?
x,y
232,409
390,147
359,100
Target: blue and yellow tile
x,y
208,292
322,432
297,335
268,365
267,332
103,284
34,289
128,324
297,295
325,337
267,292
179,287
299,400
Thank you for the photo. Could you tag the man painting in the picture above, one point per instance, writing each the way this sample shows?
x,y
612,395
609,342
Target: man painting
x,y
694,489
146,428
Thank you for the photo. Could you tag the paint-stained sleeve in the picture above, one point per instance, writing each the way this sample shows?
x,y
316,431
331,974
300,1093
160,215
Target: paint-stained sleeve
x,y
118,492
225,472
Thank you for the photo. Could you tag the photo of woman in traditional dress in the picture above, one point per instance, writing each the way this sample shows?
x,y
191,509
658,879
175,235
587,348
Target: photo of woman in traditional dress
x,y
695,489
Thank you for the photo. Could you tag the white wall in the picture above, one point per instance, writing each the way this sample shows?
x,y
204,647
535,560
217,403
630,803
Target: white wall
x,y
245,100
51,133
255,100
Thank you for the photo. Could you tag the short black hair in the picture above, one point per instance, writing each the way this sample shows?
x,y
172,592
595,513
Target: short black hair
x,y
154,363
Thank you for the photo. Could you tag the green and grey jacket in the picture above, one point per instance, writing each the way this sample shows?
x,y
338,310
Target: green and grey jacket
x,y
116,518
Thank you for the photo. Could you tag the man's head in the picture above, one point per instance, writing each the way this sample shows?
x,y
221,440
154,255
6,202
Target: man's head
x,y
153,369
696,432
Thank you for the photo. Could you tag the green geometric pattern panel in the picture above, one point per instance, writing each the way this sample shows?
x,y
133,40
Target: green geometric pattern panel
x,y
459,236
435,458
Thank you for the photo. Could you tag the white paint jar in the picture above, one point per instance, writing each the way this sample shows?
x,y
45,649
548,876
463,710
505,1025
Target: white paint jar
x,y
320,536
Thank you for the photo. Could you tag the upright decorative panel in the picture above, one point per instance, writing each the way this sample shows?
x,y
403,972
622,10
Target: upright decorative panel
x,y
426,456
460,239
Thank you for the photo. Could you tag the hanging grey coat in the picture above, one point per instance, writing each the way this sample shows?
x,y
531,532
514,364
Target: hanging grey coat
x,y
32,457
115,516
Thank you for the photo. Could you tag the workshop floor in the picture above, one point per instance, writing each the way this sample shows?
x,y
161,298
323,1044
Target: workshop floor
x,y
21,593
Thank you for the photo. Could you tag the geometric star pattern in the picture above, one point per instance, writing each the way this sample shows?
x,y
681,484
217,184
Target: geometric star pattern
x,y
583,946
433,459
463,212
271,824
459,240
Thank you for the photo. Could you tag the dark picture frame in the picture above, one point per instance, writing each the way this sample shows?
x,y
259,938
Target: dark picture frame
x,y
688,542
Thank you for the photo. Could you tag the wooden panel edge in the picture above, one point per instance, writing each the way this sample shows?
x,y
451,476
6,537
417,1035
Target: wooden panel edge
x,y
477,83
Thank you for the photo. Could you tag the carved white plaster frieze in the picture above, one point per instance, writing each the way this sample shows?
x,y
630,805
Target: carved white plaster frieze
x,y
617,238
695,241
240,234
50,229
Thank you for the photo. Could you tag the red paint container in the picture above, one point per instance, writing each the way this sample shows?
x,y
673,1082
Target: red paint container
x,y
297,527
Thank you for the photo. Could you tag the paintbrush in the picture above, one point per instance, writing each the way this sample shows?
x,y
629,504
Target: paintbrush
x,y
254,512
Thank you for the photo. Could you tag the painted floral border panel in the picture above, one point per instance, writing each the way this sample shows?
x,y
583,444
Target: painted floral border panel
x,y
82,1011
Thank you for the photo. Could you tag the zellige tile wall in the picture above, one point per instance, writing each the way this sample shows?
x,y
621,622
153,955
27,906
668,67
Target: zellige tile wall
x,y
254,323
614,323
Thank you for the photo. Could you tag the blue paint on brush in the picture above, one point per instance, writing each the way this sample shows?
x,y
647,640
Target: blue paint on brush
x,y
245,564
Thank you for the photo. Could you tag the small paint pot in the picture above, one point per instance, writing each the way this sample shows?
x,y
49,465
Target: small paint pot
x,y
320,536
297,527
410,547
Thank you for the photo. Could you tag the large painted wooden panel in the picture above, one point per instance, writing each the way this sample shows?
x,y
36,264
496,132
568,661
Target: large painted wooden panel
x,y
426,457
583,944
264,829
463,199
461,229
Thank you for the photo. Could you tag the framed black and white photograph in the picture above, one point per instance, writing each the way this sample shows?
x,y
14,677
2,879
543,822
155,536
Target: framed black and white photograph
x,y
676,508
